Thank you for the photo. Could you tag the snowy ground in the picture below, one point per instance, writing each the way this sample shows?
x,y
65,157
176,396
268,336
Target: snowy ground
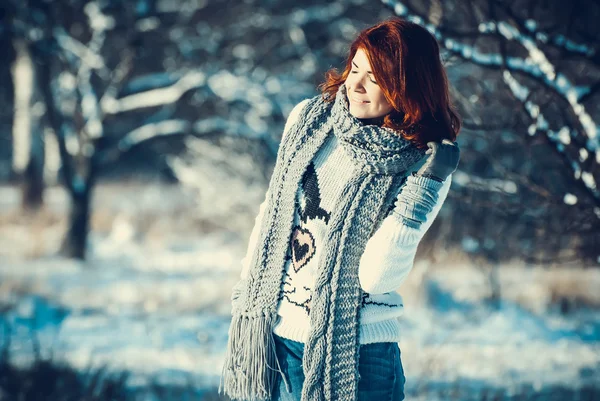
x,y
158,306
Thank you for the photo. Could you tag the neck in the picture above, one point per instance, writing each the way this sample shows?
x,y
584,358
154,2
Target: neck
x,y
372,121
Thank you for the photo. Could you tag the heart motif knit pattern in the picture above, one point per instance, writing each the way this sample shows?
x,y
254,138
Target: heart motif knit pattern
x,y
303,247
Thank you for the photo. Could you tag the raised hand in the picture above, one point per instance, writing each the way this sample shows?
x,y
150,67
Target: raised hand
x,y
443,159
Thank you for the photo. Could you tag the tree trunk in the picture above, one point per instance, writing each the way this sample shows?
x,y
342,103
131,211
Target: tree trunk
x,y
28,143
32,186
77,178
75,241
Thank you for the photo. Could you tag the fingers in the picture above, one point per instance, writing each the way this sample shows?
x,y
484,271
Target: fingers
x,y
432,146
445,141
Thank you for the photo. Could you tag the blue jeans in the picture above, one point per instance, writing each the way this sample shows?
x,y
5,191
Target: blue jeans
x,y
381,374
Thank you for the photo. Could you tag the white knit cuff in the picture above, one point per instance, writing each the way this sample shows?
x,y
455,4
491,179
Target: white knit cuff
x,y
425,182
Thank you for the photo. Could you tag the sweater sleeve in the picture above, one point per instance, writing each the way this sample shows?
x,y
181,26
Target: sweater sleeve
x,y
259,217
293,117
389,254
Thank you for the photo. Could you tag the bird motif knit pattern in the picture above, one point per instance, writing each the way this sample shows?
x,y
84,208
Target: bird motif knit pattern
x,y
380,161
384,265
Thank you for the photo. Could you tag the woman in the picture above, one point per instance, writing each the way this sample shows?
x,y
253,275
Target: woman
x,y
361,173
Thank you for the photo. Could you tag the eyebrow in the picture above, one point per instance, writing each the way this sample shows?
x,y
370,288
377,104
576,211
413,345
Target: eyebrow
x,y
370,72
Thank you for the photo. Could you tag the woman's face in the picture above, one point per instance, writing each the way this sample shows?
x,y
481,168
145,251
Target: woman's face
x,y
364,95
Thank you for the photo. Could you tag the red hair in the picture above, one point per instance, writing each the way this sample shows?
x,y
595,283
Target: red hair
x,y
405,60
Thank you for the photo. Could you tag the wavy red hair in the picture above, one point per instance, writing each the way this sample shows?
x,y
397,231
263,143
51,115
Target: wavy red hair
x,y
405,60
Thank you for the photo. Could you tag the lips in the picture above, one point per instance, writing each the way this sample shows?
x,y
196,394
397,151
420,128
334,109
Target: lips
x,y
360,101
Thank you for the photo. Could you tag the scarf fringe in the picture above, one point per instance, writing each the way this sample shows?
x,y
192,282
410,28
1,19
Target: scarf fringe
x,y
249,371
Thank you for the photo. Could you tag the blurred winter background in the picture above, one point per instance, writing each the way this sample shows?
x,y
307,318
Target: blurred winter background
x,y
137,139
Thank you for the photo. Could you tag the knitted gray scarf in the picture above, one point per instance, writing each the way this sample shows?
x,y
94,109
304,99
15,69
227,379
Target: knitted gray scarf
x,y
381,159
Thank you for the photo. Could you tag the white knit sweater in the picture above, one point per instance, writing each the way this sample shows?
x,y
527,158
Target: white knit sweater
x,y
385,263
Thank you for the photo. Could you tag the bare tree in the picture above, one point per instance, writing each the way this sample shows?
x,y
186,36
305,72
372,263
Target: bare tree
x,y
103,102
80,91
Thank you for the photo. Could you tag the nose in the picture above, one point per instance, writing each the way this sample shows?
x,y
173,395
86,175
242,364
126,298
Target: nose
x,y
359,87
356,85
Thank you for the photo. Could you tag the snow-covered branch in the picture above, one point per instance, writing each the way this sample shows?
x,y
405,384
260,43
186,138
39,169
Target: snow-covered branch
x,y
559,82
535,65
559,138
559,41
154,97
83,53
152,130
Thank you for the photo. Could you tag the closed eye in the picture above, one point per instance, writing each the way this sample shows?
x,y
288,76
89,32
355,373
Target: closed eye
x,y
356,72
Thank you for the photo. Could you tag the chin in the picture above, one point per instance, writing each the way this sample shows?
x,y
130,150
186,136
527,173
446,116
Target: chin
x,y
360,114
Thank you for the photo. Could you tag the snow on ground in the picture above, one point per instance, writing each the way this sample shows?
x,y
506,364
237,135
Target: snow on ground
x,y
148,312
450,339
160,308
